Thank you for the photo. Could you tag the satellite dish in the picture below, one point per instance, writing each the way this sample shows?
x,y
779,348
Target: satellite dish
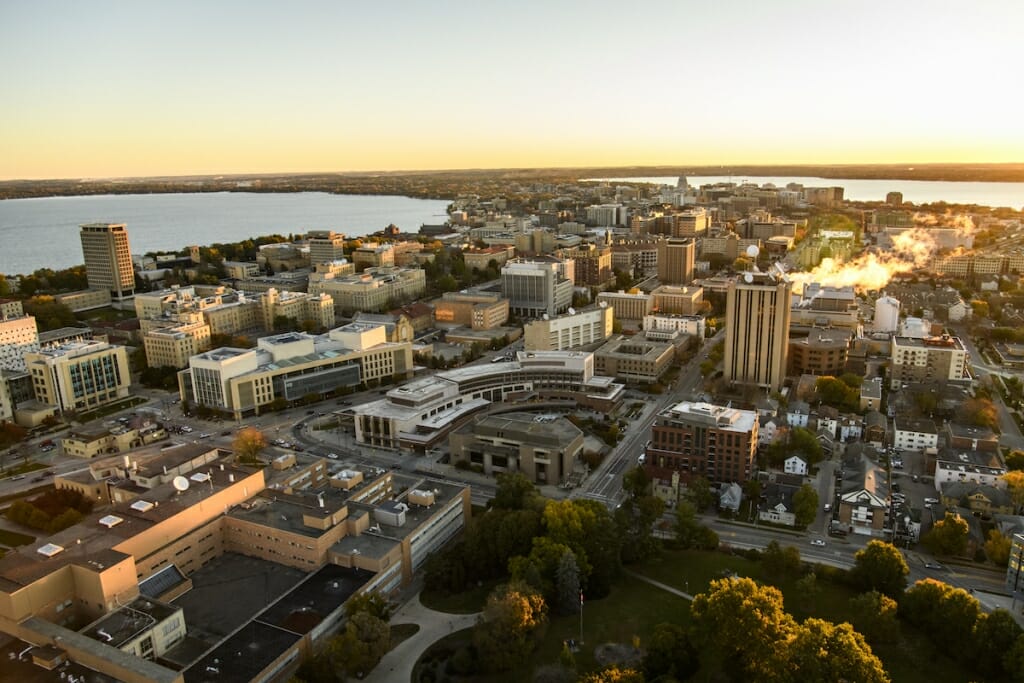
x,y
748,277
602,304
572,311
180,484
753,251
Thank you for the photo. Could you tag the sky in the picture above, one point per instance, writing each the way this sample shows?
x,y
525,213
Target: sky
x,y
140,88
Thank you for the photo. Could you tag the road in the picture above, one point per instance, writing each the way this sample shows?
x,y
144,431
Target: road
x,y
605,482
1009,432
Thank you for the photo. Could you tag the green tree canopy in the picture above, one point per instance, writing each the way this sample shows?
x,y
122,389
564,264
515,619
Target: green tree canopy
x,y
874,615
948,535
805,505
508,628
947,614
669,653
823,651
880,567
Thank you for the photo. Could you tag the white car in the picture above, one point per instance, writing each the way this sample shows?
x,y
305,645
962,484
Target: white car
x,y
332,456
818,542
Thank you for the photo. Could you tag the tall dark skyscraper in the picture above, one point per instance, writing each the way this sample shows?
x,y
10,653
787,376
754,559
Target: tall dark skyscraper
x,y
757,330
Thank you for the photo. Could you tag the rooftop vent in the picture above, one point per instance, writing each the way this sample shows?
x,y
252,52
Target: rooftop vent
x,y
142,506
50,549
110,521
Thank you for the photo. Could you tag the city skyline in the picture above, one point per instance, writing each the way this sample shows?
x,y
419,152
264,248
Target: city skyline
x,y
119,89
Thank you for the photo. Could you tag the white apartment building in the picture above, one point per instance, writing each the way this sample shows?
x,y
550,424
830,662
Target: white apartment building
x,y
18,336
693,325
931,359
569,331
914,435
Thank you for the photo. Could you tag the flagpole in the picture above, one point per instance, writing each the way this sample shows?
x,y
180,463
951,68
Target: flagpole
x,y
581,617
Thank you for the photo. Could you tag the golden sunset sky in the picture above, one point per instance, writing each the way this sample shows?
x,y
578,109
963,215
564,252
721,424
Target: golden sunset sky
x,y
114,89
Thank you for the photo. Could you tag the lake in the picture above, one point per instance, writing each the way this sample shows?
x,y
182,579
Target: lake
x,y
43,232
916,191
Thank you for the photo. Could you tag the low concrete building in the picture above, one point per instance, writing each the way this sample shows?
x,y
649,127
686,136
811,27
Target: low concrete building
x,y
634,360
81,443
571,331
915,434
544,448
476,310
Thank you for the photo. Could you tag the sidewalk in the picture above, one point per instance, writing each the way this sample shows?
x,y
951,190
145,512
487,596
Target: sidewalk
x,y
398,664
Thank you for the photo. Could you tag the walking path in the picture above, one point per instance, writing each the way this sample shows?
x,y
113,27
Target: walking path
x,y
659,584
398,664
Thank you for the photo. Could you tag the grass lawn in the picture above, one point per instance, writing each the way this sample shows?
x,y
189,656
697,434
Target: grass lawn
x,y
467,602
402,632
110,409
14,539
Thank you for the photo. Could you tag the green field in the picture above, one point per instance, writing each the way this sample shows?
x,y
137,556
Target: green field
x,y
635,607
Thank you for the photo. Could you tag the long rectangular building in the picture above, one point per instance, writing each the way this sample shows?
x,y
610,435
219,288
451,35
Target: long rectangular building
x,y
701,439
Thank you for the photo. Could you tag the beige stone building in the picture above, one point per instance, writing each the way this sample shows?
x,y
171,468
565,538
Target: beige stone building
x,y
85,300
676,258
375,289
631,305
593,264
373,255
678,300
757,318
173,344
931,359
480,311
325,246
18,336
108,259
481,258
79,375
633,359
82,443
544,449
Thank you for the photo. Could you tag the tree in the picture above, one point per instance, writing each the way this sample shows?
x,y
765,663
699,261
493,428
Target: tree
x,y
669,653
994,635
1013,660
948,535
371,603
567,584
838,393
874,615
698,491
690,533
248,443
737,625
997,548
614,674
946,613
1015,486
515,492
981,412
804,441
880,567
781,562
805,505
1015,461
358,648
507,630
586,527
823,651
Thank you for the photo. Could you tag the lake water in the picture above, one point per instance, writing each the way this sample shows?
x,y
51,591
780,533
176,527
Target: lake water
x,y
916,191
43,232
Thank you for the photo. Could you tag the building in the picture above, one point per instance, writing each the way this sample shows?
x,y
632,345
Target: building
x,y
374,289
108,259
291,366
871,394
18,336
910,434
569,331
634,359
973,467
373,255
675,261
397,328
863,493
11,308
678,300
544,448
240,270
693,325
421,413
480,259
95,598
930,359
325,246
971,438
536,287
173,344
631,305
593,265
794,464
701,439
79,375
635,254
296,309
606,215
477,310
87,444
821,352
85,299
757,330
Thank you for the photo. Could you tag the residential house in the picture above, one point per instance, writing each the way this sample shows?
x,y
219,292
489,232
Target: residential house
x,y
864,492
777,507
730,497
794,464
798,414
980,498
875,428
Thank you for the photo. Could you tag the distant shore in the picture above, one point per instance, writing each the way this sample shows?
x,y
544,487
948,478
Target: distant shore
x,y
449,184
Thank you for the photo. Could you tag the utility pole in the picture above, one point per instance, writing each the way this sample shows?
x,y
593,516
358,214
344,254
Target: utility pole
x,y
581,617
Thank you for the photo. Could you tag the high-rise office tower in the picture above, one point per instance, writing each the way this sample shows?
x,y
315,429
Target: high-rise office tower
x,y
757,330
325,246
675,260
108,259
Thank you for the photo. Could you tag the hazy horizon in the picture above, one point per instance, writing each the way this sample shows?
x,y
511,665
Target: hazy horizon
x,y
128,90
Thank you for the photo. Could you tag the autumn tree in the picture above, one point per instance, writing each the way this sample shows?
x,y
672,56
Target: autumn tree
x,y
805,505
948,535
880,566
1015,486
981,412
997,548
946,613
737,626
823,651
248,443
507,630
613,674
875,615
669,653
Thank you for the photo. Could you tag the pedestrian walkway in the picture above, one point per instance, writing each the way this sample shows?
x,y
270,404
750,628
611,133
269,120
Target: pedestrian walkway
x,y
398,664
659,584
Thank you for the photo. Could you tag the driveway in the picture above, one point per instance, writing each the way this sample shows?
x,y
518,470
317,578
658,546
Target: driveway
x,y
398,664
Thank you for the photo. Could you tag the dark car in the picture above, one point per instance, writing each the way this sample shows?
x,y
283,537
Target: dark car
x,y
225,433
